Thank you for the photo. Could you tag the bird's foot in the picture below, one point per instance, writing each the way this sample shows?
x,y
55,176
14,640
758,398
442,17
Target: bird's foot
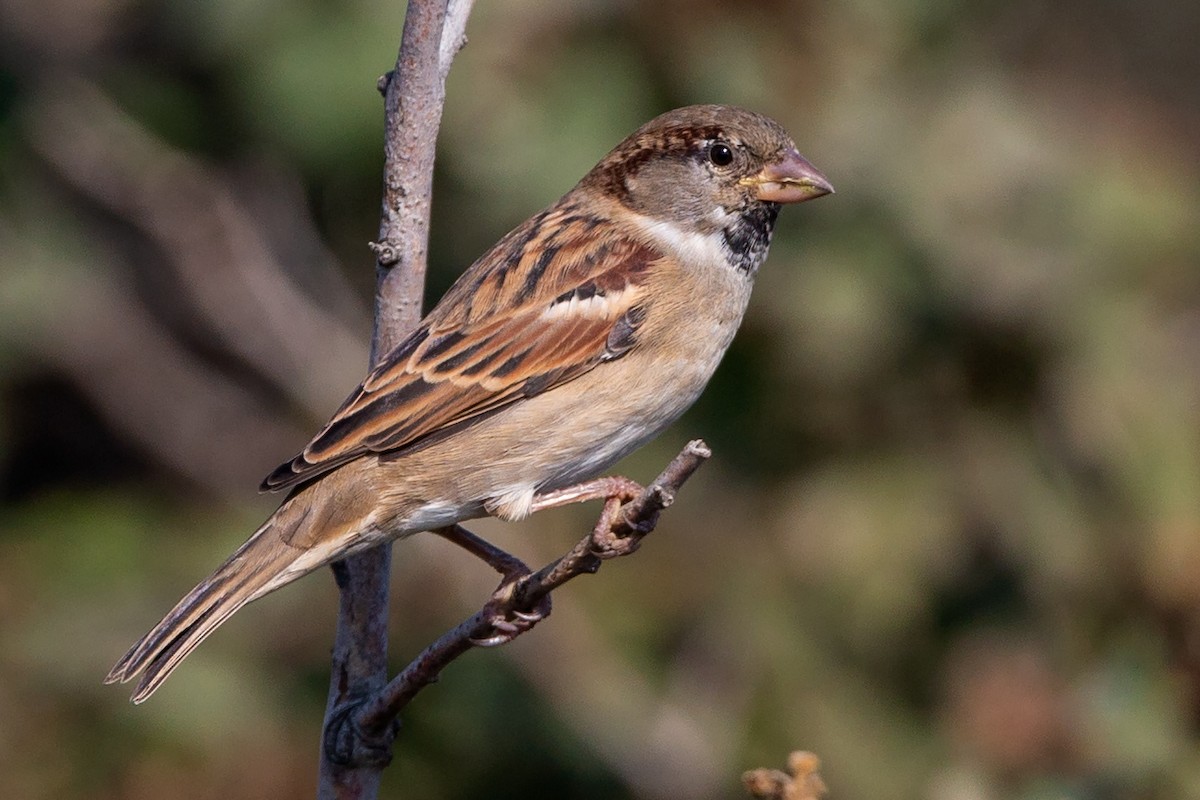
x,y
614,536
508,565
507,621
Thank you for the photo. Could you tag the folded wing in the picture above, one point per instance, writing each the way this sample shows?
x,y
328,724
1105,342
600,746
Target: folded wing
x,y
549,302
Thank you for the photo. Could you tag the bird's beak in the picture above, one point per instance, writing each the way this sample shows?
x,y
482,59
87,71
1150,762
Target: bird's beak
x,y
791,179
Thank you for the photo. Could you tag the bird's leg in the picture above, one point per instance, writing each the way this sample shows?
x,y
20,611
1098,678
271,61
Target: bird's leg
x,y
614,486
616,491
502,561
508,622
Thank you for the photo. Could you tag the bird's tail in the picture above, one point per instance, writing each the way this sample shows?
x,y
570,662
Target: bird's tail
x,y
264,563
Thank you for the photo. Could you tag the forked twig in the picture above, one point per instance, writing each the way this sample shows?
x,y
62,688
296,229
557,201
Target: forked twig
x,y
618,532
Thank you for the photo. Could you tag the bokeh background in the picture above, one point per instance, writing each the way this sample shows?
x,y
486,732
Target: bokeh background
x,y
950,539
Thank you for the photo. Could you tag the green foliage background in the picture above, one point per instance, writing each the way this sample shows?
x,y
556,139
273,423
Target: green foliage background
x,y
950,540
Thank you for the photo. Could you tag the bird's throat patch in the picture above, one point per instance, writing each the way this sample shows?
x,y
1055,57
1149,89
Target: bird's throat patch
x,y
748,236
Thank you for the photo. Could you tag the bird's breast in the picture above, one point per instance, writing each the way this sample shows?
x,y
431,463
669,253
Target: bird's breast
x,y
577,430
621,405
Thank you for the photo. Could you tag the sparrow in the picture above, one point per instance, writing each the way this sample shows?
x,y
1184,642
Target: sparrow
x,y
577,338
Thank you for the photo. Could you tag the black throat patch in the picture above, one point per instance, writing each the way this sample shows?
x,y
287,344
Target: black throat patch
x,y
749,235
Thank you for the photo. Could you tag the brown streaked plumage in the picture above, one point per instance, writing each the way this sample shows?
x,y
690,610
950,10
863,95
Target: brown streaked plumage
x,y
490,342
579,336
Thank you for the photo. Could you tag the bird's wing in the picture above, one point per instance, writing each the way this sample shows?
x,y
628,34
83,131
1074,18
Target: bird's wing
x,y
549,302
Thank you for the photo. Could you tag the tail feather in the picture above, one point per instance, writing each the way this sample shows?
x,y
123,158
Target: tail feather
x,y
258,567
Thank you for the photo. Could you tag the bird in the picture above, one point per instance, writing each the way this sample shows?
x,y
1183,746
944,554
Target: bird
x,y
574,340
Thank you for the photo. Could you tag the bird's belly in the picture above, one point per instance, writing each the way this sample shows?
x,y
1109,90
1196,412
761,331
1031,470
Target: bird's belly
x,y
612,415
598,441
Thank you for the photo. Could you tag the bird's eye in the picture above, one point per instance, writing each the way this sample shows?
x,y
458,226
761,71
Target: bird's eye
x,y
720,154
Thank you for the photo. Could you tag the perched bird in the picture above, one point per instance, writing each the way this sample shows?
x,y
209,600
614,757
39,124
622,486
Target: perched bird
x,y
577,338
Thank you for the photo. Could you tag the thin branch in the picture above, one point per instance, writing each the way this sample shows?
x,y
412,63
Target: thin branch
x,y
414,97
618,532
454,36
414,92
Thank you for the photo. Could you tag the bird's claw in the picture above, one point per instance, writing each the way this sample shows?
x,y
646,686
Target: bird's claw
x,y
509,623
609,545
491,641
530,616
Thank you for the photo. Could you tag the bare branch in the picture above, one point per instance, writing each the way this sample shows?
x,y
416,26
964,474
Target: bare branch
x,y
414,97
516,602
413,100
454,35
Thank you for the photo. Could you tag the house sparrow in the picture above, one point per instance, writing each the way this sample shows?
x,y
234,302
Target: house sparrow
x,y
577,338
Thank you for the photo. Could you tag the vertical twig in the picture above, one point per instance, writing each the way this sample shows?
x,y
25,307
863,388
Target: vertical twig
x,y
414,95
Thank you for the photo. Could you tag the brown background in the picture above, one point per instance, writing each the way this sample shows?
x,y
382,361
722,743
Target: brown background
x,y
950,539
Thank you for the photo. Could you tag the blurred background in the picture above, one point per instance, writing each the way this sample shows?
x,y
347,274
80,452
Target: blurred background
x,y
950,538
